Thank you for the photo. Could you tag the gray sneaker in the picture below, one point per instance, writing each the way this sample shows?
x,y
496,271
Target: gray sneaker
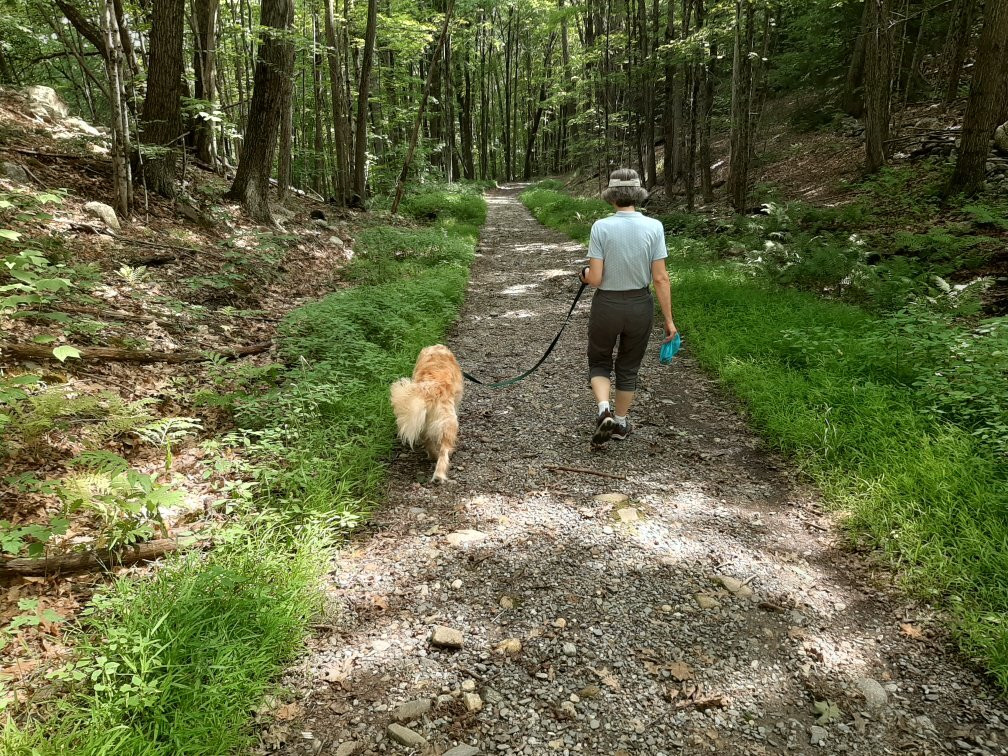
x,y
604,427
622,431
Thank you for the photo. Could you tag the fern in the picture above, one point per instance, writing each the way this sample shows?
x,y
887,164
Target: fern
x,y
101,462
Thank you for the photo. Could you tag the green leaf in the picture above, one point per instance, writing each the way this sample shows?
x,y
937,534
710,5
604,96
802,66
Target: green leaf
x,y
6,233
62,352
44,338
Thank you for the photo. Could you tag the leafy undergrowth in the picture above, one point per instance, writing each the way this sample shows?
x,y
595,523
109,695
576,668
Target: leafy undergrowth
x,y
176,663
900,419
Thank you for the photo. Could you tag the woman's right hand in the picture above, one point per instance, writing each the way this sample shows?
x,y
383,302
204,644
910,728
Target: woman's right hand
x,y
670,331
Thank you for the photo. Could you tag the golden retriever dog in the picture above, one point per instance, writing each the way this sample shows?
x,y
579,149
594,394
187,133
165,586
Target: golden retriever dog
x,y
426,408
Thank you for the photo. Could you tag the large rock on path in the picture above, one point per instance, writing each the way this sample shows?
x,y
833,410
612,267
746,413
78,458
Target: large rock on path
x,y
44,103
104,213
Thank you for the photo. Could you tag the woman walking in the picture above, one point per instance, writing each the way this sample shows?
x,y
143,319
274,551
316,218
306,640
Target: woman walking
x,y
626,254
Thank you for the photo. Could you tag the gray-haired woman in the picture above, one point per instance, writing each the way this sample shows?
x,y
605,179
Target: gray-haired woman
x,y
626,254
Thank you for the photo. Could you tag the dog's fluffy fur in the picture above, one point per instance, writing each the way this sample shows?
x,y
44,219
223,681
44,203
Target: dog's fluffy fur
x,y
426,408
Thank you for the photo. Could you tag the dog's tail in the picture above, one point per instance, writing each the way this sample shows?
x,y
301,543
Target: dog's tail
x,y
410,406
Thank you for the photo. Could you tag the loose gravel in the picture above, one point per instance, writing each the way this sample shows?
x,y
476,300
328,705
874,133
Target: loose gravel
x,y
523,609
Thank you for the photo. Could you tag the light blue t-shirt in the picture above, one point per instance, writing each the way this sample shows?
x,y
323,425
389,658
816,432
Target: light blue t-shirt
x,y
628,243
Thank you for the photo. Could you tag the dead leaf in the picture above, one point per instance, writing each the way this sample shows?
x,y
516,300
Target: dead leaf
x,y
680,671
287,712
380,603
911,631
606,677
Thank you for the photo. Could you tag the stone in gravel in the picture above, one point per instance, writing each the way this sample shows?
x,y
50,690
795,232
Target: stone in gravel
x,y
507,602
405,736
463,750
627,514
468,686
569,649
492,696
705,601
472,701
510,646
567,711
560,622
817,734
594,724
874,693
612,498
446,637
14,172
347,749
456,584
734,585
462,537
410,710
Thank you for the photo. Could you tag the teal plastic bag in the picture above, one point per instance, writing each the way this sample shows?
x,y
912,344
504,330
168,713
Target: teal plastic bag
x,y
669,350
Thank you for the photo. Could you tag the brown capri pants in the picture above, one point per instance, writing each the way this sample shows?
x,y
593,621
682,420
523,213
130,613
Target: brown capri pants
x,y
625,316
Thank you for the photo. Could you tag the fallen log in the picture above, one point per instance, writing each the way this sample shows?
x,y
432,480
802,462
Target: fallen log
x,y
40,352
119,315
129,240
100,559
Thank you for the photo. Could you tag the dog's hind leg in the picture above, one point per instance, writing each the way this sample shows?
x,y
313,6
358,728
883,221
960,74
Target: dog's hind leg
x,y
449,435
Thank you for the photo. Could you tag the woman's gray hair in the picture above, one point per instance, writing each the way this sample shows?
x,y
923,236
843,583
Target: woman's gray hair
x,y
624,196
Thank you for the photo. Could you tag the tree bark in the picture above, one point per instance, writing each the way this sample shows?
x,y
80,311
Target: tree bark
x,y
963,25
101,558
122,176
360,132
852,101
274,63
465,99
161,122
339,108
205,13
741,103
878,82
988,100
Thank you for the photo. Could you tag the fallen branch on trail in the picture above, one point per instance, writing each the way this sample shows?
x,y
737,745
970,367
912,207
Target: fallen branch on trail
x,y
98,559
129,240
40,352
585,471
119,315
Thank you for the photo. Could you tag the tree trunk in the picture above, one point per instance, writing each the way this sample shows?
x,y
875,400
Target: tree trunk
x,y
852,101
540,105
670,88
401,183
988,100
122,177
706,109
285,155
360,131
878,81
963,25
274,64
161,122
339,108
465,101
741,102
205,14
319,179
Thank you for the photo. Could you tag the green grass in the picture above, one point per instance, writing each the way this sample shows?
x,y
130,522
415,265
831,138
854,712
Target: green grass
x,y
176,664
841,390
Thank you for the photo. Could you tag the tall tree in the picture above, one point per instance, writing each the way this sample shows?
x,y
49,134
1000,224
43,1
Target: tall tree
x,y
341,147
274,63
988,100
161,122
360,132
205,13
877,83
741,106
962,25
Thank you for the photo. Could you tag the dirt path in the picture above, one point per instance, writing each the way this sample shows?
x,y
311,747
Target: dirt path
x,y
636,636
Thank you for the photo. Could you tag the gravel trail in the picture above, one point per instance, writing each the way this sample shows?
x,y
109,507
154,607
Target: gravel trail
x,y
703,604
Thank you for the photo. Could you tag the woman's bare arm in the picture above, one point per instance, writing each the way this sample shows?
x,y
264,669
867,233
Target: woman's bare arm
x,y
663,290
593,275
